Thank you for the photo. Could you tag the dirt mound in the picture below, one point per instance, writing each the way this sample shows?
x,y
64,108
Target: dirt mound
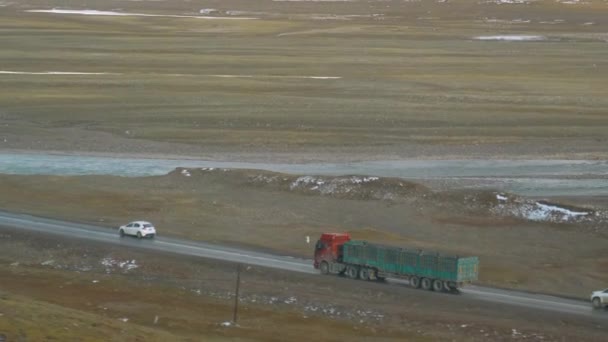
x,y
544,211
345,187
455,205
451,204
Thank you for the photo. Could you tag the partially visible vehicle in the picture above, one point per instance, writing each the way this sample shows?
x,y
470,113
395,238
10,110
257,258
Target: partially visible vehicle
x,y
599,299
336,253
141,229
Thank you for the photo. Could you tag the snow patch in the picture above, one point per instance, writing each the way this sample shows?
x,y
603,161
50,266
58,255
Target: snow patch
x,y
509,2
127,14
314,0
552,22
185,173
207,11
53,73
541,212
518,38
501,197
112,264
503,21
544,212
277,76
314,183
572,2
291,300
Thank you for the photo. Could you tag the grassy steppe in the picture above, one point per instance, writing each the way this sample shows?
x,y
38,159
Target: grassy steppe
x,y
404,81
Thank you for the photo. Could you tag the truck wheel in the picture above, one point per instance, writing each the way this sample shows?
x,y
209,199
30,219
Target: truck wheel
x,y
453,288
597,303
352,272
324,267
364,273
446,286
427,284
415,282
437,285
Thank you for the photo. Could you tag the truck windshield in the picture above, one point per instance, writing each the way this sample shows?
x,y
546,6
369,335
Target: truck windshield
x,y
320,245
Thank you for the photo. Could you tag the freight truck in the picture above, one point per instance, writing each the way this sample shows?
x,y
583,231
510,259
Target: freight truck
x,y
336,253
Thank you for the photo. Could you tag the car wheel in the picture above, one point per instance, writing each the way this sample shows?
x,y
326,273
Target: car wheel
x,y
139,235
152,236
122,233
597,303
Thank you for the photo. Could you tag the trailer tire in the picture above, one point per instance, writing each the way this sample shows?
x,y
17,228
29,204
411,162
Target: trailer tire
x,y
363,273
446,286
427,284
453,288
415,282
352,272
437,285
324,267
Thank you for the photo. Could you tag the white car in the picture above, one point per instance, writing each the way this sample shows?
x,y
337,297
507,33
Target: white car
x,y
141,229
599,299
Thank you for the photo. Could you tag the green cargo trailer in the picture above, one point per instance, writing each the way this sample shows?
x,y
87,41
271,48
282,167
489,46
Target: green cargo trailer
x,y
369,261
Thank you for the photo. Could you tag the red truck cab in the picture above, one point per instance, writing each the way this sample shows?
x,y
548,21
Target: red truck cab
x,y
329,247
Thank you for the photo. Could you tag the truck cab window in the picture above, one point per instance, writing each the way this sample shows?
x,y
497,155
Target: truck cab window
x,y
319,245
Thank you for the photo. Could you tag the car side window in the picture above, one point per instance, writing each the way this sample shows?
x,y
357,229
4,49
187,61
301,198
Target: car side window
x,y
606,291
130,225
136,225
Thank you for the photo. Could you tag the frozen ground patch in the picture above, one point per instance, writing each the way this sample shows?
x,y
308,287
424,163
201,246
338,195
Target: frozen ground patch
x,y
127,14
111,265
314,0
504,21
508,2
539,211
277,76
346,187
546,212
514,38
53,73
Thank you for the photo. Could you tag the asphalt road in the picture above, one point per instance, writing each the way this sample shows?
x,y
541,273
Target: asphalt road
x,y
205,250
